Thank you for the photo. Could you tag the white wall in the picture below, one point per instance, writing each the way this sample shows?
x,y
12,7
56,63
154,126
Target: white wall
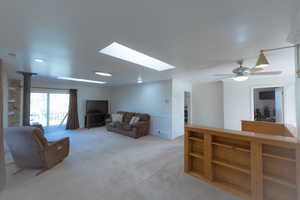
x,y
85,92
163,100
178,89
152,98
238,100
208,104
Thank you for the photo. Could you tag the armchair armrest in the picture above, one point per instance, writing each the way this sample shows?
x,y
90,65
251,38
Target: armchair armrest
x,y
140,124
56,151
141,128
58,144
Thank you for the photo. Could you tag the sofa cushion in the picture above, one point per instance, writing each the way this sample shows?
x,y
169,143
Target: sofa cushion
x,y
126,127
128,117
143,117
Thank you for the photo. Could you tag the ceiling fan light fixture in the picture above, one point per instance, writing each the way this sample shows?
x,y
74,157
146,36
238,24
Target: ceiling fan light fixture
x,y
262,61
240,78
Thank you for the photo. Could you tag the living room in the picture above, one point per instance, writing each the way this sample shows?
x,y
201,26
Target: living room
x,y
86,77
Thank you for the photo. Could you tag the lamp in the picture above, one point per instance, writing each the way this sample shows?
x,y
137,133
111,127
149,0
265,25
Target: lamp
x,y
262,61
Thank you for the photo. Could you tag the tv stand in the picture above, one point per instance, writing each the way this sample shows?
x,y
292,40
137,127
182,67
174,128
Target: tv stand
x,y
95,120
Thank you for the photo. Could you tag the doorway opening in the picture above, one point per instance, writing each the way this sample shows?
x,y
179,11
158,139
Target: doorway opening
x,y
268,104
187,107
49,109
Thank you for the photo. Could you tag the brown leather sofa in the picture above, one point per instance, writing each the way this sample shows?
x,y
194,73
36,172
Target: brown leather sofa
x,y
136,130
30,148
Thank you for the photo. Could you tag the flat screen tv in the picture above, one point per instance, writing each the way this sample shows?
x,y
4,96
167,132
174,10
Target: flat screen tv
x,y
93,106
267,95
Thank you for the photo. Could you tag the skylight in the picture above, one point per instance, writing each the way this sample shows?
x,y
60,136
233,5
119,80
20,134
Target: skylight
x,y
81,80
122,52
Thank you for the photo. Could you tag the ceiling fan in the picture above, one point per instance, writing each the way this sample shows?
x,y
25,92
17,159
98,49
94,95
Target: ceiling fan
x,y
242,73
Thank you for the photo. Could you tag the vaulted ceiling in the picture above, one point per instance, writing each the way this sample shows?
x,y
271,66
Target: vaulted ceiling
x,y
190,34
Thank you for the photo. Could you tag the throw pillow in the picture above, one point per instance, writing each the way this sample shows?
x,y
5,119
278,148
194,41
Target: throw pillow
x,y
134,120
116,117
120,118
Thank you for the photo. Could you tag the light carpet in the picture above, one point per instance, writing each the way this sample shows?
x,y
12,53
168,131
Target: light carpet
x,y
109,166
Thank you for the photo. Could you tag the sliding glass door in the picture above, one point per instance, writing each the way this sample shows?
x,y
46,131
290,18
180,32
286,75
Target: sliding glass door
x,y
49,109
58,109
39,108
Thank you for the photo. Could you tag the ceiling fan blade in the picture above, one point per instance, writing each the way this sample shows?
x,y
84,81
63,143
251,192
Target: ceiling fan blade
x,y
224,75
227,77
266,73
256,69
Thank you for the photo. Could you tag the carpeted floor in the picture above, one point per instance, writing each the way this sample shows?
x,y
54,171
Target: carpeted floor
x,y
108,166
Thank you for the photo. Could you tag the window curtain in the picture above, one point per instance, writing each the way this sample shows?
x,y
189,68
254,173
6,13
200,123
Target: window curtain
x,y
297,88
2,167
73,122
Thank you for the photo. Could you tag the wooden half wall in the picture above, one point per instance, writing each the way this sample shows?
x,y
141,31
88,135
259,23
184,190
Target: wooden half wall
x,y
253,166
269,128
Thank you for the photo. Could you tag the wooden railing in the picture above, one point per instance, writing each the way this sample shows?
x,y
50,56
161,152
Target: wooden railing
x,y
253,166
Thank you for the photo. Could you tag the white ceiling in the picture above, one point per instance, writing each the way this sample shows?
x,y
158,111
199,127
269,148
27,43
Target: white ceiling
x,y
189,34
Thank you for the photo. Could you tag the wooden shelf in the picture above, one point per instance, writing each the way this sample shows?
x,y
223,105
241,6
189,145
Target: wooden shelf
x,y
196,155
11,113
279,181
232,166
196,139
234,188
250,165
197,175
231,147
278,157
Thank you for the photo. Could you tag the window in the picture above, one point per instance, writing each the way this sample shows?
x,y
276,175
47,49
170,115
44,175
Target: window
x,y
38,108
268,104
49,108
58,109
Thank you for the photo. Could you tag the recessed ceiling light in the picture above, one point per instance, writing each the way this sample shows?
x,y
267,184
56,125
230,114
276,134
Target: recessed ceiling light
x,y
81,80
122,52
39,60
103,74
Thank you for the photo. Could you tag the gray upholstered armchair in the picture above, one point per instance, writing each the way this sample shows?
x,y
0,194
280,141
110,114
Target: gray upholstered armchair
x,y
30,149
